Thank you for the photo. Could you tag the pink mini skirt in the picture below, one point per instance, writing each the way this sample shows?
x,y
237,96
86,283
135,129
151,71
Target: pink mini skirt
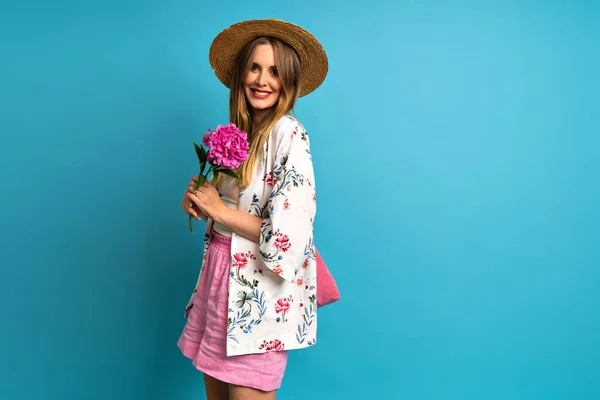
x,y
204,336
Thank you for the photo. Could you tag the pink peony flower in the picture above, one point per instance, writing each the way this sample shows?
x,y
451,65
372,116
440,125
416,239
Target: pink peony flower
x,y
227,149
228,146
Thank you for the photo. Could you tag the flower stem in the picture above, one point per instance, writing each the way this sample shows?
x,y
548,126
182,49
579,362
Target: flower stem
x,y
201,180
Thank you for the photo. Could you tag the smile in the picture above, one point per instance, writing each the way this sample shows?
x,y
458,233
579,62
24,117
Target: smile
x,y
259,94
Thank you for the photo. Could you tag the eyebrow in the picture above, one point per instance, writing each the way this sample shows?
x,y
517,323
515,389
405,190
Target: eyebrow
x,y
272,66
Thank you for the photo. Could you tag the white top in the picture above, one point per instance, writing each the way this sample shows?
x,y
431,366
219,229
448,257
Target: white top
x,y
230,195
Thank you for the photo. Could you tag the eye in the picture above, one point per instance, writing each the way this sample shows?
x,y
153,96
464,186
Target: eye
x,y
254,67
274,71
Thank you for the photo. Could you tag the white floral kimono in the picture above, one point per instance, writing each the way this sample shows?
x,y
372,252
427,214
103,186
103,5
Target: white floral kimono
x,y
272,285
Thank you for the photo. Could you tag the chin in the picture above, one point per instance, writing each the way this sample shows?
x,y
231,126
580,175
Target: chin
x,y
259,105
263,108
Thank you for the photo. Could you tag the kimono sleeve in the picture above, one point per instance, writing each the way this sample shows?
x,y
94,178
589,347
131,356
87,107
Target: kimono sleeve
x,y
286,238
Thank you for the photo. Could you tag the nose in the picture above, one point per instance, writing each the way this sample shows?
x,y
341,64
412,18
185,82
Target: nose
x,y
261,79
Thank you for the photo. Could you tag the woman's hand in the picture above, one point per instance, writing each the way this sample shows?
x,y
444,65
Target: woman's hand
x,y
207,203
207,200
188,206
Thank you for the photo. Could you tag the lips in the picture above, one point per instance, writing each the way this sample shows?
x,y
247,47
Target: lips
x,y
260,94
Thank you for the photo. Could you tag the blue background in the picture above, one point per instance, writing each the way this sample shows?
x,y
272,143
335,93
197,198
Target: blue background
x,y
456,147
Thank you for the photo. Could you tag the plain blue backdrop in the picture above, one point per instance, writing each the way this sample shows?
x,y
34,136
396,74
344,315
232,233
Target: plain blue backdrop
x,y
456,147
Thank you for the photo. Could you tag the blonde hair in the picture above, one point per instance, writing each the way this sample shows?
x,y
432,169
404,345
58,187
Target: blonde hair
x,y
288,69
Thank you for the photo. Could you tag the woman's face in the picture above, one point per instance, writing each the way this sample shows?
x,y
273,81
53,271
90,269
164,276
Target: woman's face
x,y
262,85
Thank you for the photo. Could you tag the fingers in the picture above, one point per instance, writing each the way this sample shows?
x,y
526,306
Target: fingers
x,y
193,182
191,202
193,213
202,189
206,187
194,198
191,208
195,209
194,191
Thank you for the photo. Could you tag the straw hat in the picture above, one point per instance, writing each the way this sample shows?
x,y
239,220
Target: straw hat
x,y
226,46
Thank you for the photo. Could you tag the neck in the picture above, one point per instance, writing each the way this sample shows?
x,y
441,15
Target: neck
x,y
258,116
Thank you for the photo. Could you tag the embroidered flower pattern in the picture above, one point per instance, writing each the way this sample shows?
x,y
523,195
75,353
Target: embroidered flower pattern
x,y
272,345
269,179
277,269
282,243
307,319
240,260
282,306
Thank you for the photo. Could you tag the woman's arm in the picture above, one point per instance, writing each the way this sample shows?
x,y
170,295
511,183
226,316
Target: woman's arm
x,y
242,223
208,200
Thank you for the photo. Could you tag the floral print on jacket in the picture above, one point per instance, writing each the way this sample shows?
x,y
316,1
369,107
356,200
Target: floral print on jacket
x,y
272,285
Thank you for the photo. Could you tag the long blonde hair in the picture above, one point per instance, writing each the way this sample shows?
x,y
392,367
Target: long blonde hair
x,y
288,69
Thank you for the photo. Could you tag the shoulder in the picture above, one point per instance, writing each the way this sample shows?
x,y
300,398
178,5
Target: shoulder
x,y
285,132
287,126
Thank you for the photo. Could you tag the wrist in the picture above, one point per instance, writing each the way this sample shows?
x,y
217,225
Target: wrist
x,y
224,215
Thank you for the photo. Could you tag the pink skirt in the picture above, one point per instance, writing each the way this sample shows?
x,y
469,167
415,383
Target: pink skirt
x,y
204,336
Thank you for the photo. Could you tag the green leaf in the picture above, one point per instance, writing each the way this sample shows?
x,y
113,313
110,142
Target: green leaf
x,y
215,176
228,172
201,153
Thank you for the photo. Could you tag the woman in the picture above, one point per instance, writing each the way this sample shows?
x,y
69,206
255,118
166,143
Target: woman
x,y
255,298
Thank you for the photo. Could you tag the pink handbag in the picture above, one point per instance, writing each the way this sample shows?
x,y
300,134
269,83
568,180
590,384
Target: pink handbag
x,y
327,291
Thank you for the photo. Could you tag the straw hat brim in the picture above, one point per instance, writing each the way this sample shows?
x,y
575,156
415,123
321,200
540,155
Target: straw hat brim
x,y
226,46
